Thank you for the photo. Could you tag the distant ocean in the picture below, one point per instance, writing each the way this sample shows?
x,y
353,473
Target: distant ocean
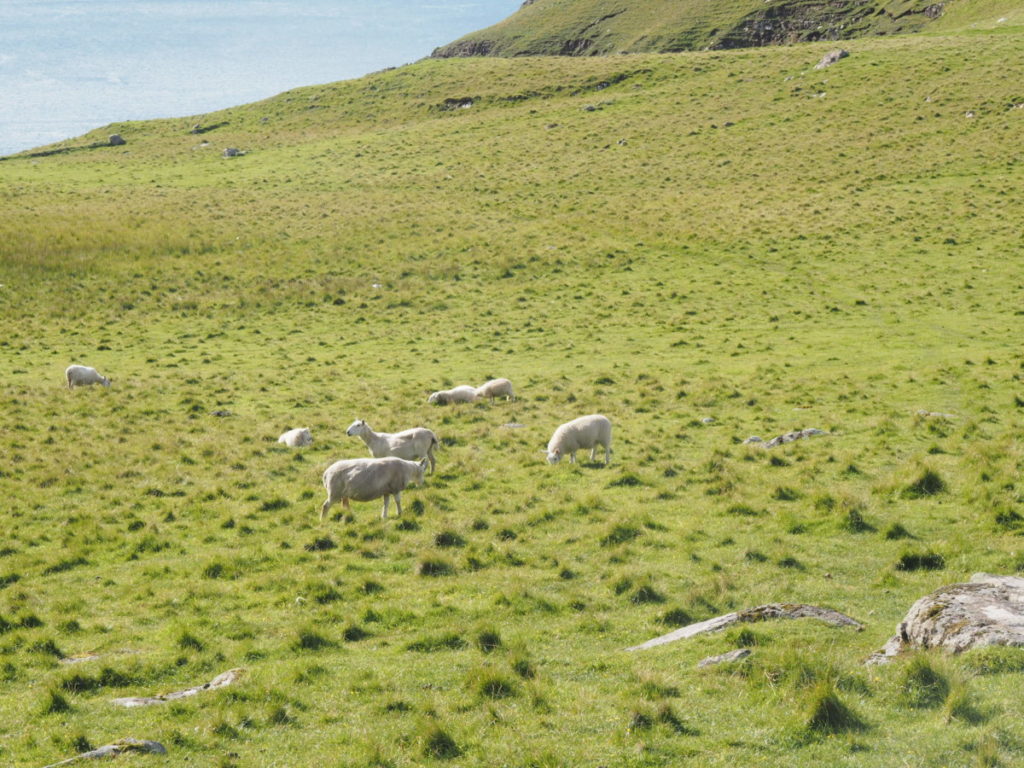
x,y
68,66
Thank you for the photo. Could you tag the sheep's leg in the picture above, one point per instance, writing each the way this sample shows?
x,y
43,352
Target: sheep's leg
x,y
593,453
323,510
345,504
384,513
430,458
398,503
572,457
607,454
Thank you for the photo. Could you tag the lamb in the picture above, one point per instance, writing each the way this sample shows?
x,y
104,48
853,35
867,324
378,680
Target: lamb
x,y
461,394
296,438
83,375
496,388
368,479
584,432
410,444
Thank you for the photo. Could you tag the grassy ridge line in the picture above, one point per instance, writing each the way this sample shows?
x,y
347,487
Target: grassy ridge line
x,y
603,27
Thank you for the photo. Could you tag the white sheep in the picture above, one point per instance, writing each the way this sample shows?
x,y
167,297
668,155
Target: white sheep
x,y
83,375
461,394
296,438
584,432
411,444
496,388
368,479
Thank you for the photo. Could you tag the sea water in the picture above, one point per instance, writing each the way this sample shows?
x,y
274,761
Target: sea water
x,y
69,66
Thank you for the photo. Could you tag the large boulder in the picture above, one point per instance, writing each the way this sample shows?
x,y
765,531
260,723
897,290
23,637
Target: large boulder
x,y
987,610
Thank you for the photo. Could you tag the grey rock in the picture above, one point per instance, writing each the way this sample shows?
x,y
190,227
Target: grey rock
x,y
233,152
121,747
987,610
708,420
791,436
220,681
747,615
831,58
116,140
724,658
752,439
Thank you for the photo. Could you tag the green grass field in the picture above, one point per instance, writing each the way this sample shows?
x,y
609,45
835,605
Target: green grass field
x,y
665,239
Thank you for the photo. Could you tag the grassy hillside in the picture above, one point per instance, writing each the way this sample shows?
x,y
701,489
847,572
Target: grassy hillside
x,y
703,247
600,27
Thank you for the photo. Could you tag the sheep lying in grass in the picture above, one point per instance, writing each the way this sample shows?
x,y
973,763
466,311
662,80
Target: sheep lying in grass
x,y
368,479
496,388
460,394
411,444
83,375
296,438
584,432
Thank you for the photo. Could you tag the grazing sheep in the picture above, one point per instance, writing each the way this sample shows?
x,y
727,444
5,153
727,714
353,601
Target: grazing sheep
x,y
496,388
296,438
460,394
83,375
368,479
411,444
584,432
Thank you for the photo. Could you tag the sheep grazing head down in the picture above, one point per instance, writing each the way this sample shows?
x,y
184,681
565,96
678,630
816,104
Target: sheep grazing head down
x,y
554,456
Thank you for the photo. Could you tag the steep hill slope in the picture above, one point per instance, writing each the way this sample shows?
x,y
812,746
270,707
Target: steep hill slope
x,y
601,27
702,246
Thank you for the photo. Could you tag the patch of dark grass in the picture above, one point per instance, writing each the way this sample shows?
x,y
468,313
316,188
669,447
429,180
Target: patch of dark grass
x,y
897,531
10,578
620,534
450,641
54,703
46,646
743,510
273,505
438,744
310,640
785,493
407,524
920,561
449,539
65,565
493,684
488,640
371,587
320,545
646,594
354,633
929,483
827,714
189,642
994,660
675,617
921,685
434,566
626,480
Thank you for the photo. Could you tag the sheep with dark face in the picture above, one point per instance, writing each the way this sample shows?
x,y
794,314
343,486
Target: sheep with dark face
x,y
411,444
582,433
368,479
83,376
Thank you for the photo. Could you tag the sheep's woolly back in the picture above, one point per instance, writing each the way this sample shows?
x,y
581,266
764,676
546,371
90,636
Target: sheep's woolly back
x,y
495,388
584,432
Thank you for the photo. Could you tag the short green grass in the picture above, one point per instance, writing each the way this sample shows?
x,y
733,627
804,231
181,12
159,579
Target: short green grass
x,y
727,244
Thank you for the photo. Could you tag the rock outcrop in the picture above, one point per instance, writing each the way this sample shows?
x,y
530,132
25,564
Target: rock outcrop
x,y
987,610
